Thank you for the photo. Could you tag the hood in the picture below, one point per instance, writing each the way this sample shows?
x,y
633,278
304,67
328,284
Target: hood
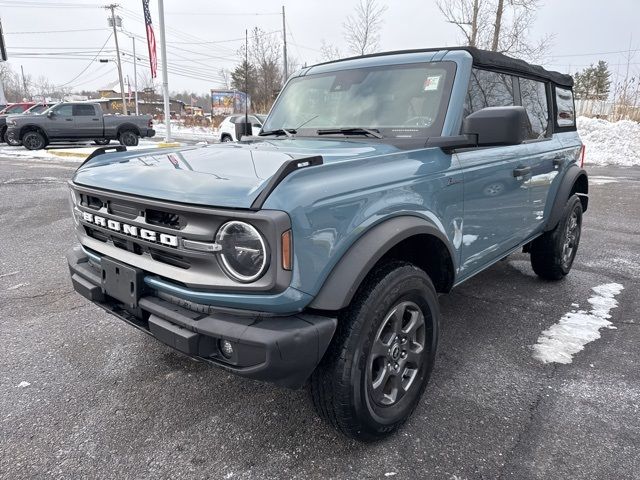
x,y
222,175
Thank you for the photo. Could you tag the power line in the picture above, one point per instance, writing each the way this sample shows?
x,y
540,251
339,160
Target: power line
x,y
91,62
56,31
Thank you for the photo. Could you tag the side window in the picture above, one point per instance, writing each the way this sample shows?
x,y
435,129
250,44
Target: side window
x,y
84,111
488,89
534,100
566,116
64,110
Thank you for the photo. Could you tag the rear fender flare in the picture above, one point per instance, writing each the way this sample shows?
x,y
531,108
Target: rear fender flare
x,y
570,178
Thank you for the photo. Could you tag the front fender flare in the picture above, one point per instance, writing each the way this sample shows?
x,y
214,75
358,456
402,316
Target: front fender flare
x,y
345,278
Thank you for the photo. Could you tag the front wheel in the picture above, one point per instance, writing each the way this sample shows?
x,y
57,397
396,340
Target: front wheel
x,y
11,140
128,139
552,254
34,141
373,375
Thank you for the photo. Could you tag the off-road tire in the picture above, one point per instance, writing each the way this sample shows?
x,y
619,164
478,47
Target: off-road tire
x,y
549,257
128,138
34,140
226,138
341,385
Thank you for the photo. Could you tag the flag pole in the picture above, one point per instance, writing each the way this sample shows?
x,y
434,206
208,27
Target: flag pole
x,y
165,75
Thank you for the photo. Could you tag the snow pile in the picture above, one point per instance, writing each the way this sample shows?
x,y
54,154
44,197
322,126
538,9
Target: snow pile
x,y
610,143
577,328
180,132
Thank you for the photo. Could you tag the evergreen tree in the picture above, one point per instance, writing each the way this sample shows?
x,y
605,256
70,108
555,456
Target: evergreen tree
x,y
593,83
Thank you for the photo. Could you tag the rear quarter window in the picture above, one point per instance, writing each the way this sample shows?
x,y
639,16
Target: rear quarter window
x,y
566,115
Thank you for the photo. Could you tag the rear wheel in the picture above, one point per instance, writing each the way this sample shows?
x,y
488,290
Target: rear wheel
x,y
552,254
226,138
34,141
101,141
128,138
373,375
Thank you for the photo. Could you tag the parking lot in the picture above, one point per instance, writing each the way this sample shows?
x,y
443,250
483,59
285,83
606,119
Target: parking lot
x,y
82,395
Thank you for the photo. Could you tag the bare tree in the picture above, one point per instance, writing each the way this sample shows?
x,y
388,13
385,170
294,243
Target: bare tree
x,y
225,76
362,28
329,52
497,25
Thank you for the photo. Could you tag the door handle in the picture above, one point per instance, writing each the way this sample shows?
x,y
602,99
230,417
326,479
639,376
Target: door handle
x,y
521,171
95,119
69,119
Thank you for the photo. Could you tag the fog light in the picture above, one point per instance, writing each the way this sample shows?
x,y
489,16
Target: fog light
x,y
225,348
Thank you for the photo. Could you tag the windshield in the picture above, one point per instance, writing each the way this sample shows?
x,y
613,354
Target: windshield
x,y
15,109
398,101
37,109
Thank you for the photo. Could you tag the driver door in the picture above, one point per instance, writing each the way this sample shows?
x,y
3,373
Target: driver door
x,y
60,122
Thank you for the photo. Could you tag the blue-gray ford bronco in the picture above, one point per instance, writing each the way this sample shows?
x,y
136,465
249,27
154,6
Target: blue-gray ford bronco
x,y
314,253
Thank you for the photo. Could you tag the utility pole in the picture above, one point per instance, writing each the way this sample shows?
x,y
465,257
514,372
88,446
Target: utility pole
x,y
246,75
135,68
284,33
112,7
135,74
165,75
24,83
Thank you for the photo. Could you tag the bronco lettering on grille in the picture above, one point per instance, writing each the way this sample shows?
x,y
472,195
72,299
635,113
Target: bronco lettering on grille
x,y
131,230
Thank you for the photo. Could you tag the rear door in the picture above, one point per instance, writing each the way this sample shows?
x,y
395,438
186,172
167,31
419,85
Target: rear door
x,y
88,123
496,196
60,123
546,151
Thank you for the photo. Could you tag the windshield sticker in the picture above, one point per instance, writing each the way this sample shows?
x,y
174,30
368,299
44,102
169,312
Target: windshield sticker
x,y
431,83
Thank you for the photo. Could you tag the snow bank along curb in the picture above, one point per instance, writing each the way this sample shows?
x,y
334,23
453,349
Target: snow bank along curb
x,y
608,143
577,328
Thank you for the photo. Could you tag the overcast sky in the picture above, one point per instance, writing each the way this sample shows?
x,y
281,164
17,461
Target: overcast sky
x,y
585,31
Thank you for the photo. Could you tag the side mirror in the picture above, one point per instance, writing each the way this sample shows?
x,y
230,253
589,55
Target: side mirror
x,y
50,114
496,126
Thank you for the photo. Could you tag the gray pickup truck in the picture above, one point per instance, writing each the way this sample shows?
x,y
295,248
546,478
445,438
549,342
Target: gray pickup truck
x,y
78,121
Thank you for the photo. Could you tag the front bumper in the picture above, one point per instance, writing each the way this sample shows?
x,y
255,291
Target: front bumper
x,y
278,349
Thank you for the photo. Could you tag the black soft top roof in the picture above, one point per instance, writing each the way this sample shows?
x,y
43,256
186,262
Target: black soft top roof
x,y
485,58
491,60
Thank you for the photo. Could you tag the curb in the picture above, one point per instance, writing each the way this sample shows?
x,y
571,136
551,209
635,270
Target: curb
x,y
68,154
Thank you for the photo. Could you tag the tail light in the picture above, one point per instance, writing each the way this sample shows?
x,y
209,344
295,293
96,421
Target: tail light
x,y
582,150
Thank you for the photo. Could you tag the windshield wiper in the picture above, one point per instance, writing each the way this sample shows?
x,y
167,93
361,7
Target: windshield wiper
x,y
289,132
350,131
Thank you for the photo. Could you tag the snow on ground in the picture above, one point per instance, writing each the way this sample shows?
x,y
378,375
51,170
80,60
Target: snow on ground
x,y
21,152
610,143
180,132
577,328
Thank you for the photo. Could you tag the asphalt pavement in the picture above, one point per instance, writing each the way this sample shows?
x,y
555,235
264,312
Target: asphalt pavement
x,y
83,395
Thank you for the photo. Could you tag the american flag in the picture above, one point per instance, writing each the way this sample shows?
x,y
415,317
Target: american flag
x,y
151,39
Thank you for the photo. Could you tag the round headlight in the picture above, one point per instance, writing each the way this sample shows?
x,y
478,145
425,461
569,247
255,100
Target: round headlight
x,y
243,251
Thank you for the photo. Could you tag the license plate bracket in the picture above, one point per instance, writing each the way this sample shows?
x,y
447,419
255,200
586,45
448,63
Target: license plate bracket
x,y
122,282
